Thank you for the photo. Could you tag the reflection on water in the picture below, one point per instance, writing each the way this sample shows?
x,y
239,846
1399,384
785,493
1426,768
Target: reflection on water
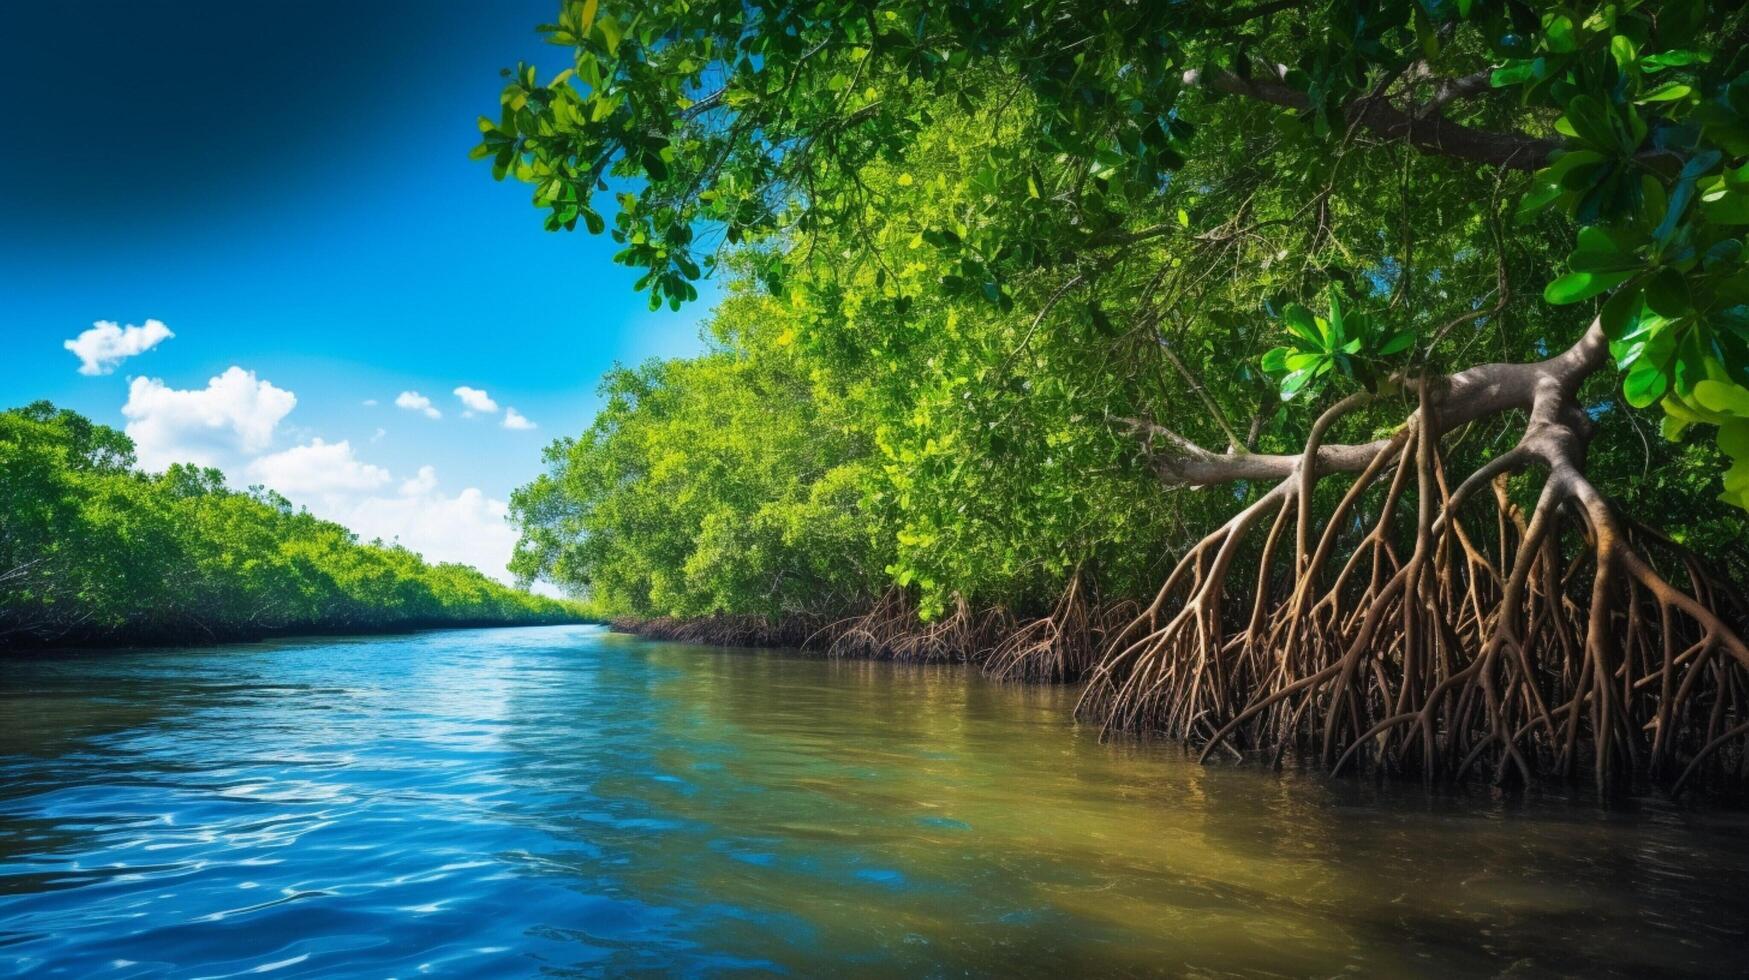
x,y
565,801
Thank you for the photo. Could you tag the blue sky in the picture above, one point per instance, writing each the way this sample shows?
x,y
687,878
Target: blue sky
x,y
286,187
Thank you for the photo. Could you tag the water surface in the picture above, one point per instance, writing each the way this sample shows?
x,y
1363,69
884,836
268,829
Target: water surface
x,y
564,801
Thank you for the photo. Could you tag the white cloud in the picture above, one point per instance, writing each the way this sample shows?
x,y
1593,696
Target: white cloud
x,y
421,484
370,403
231,424
106,344
476,400
468,527
415,402
516,420
235,413
377,436
317,468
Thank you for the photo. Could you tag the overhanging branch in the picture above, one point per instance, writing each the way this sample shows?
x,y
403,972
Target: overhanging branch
x,y
1543,388
1429,132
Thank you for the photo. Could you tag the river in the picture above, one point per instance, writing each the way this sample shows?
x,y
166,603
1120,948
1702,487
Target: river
x,y
566,801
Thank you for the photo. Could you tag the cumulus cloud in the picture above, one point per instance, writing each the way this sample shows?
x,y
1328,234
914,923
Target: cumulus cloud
x,y
370,403
476,400
107,344
415,402
236,413
423,483
317,468
468,527
231,424
516,420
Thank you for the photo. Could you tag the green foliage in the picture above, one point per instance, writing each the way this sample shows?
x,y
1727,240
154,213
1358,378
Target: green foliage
x,y
729,482
91,549
1654,105
986,240
1352,345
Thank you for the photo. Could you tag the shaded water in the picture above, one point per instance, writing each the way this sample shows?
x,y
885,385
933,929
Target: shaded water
x,y
566,801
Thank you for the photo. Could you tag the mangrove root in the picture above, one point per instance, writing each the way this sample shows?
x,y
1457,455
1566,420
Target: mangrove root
x,y
1438,629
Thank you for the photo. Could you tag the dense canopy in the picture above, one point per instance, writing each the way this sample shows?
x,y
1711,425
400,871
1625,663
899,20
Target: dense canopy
x,y
92,550
1441,303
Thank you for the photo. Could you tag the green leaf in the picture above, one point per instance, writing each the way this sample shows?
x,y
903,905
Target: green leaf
x,y
1398,343
1730,209
1575,287
1336,331
1644,385
1667,92
1537,199
1560,33
1723,397
1599,251
1568,161
1672,427
1587,119
1734,439
1514,74
1621,312
1621,48
1302,324
1291,385
1673,59
1667,294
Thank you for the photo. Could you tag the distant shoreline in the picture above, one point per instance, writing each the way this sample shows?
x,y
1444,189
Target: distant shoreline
x,y
158,639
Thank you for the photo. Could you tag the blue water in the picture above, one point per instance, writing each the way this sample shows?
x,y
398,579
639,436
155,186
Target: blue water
x,y
563,801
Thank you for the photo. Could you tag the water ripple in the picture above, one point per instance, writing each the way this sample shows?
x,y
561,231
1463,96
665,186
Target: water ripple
x,y
561,801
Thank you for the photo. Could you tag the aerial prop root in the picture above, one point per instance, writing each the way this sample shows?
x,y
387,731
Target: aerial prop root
x,y
892,630
1439,630
1062,645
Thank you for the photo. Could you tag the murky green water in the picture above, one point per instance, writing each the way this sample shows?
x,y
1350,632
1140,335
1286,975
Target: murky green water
x,y
565,801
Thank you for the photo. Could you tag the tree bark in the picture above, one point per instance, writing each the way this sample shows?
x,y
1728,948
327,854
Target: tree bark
x,y
1546,389
1426,129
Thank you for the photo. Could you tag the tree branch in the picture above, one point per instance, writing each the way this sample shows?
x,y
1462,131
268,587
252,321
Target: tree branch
x,y
1461,398
1430,133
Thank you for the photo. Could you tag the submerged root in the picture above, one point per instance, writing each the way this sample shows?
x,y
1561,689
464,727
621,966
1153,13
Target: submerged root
x,y
892,630
723,629
1064,645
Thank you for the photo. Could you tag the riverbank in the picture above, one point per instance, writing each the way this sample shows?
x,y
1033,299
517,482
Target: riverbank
x,y
95,551
1059,647
1064,648
186,636
723,630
